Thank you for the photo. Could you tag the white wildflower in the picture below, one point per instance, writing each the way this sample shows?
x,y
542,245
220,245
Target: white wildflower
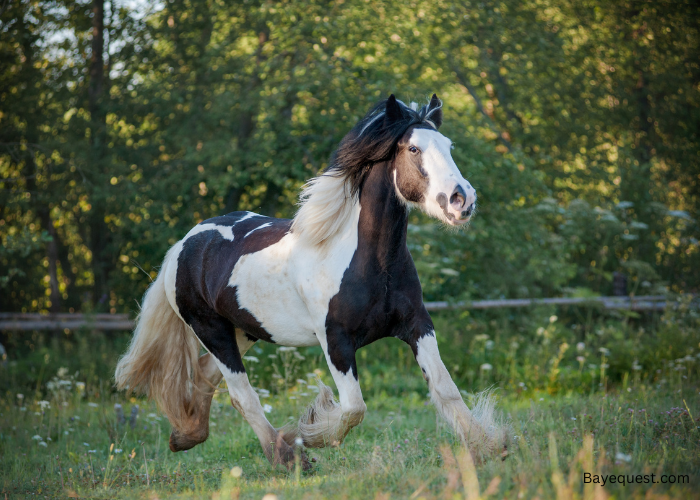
x,y
252,359
44,405
580,347
93,405
486,367
36,437
267,408
41,443
622,457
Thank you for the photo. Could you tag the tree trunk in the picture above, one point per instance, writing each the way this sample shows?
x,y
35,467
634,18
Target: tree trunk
x,y
99,233
52,254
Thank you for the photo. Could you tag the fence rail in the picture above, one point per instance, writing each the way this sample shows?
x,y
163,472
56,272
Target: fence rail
x,y
104,322
640,303
64,321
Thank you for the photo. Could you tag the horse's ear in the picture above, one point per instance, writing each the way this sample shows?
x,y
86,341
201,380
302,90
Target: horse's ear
x,y
434,113
393,110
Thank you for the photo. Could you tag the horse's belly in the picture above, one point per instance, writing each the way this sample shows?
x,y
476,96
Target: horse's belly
x,y
267,291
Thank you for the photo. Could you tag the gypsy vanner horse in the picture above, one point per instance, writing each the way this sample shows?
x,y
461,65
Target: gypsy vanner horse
x,y
338,275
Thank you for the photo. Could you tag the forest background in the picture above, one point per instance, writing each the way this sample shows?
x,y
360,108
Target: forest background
x,y
123,124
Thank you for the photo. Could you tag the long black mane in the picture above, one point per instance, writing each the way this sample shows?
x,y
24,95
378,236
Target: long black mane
x,y
375,137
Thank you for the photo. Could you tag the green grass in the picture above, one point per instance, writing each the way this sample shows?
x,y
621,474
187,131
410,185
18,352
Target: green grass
x,y
633,387
401,450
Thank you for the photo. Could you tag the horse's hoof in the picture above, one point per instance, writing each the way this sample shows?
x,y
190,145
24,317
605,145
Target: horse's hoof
x,y
306,464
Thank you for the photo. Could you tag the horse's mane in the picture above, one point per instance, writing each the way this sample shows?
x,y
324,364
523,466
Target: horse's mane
x,y
326,201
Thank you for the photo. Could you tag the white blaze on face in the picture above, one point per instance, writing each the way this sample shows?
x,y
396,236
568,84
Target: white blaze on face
x,y
444,178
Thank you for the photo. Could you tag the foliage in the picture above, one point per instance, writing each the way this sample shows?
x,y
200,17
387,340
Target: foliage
x,y
577,122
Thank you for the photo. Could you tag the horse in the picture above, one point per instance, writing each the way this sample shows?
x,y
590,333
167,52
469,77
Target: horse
x,y
338,275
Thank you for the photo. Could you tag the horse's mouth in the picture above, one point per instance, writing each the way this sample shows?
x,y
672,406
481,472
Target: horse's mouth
x,y
459,222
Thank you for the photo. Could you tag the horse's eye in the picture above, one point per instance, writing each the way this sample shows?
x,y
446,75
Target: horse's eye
x,y
413,149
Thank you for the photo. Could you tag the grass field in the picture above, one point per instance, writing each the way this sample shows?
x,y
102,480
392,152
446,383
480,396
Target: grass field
x,y
70,444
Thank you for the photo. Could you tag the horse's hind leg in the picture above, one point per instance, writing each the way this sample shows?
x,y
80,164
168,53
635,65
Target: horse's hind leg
x,y
227,356
196,429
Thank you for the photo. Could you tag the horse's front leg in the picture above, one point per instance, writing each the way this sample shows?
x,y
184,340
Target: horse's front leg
x,y
326,422
477,428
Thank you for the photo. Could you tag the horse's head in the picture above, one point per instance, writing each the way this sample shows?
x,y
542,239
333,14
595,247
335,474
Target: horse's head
x,y
424,173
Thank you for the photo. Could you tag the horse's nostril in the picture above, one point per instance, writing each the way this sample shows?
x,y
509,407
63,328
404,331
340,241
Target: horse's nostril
x,y
468,211
458,198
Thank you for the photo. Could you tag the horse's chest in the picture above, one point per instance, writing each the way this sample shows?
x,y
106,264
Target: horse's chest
x,y
376,303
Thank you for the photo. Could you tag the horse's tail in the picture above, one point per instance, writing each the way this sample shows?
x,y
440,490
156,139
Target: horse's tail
x,y
162,357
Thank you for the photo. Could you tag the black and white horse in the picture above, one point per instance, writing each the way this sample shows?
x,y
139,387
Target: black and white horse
x,y
338,275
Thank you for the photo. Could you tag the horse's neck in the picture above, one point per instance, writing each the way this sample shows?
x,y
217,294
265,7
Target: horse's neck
x,y
383,217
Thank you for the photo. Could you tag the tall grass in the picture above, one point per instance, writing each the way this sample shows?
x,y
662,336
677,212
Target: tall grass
x,y
60,434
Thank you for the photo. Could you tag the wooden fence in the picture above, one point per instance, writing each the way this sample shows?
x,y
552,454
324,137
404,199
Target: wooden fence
x,y
64,321
74,321
641,303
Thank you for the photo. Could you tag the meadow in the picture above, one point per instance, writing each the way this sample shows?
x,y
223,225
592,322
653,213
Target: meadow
x,y
61,435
